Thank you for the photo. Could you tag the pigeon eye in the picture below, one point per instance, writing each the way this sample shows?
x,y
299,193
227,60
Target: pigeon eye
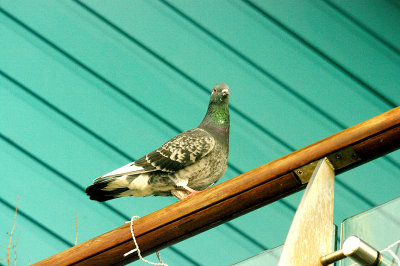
x,y
214,90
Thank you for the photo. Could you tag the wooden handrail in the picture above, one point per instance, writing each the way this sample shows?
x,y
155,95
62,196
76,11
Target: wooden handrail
x,y
239,195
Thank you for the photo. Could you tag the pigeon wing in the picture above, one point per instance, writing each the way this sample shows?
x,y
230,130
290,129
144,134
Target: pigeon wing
x,y
129,169
179,152
183,150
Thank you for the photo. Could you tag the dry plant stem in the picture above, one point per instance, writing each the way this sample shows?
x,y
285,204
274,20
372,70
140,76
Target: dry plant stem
x,y
76,228
15,250
11,233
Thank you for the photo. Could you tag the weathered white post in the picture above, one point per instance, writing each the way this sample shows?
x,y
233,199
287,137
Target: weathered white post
x,y
311,233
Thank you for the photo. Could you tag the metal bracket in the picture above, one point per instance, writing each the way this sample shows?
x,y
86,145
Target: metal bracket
x,y
343,158
305,172
339,160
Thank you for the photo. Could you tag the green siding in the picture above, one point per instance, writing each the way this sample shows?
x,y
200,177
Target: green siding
x,y
85,88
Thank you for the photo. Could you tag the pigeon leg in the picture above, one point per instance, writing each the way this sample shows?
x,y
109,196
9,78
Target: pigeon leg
x,y
191,191
178,195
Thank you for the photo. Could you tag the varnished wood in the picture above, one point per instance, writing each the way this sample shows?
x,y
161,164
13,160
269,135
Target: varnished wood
x,y
246,192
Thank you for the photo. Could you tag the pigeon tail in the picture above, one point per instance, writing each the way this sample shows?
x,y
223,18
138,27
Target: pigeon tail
x,y
100,191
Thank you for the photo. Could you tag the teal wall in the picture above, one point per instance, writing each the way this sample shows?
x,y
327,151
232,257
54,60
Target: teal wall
x,y
87,87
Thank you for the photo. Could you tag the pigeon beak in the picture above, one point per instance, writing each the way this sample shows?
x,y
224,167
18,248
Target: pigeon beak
x,y
225,91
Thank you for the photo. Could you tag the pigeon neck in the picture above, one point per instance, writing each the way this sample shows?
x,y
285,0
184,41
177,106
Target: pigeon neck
x,y
217,116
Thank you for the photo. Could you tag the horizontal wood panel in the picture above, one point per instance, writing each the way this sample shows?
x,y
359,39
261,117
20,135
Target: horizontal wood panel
x,y
101,97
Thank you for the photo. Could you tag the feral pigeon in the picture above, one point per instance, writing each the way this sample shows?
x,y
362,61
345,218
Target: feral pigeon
x,y
188,163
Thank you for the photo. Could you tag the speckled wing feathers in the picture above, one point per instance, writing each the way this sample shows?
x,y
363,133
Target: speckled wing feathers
x,y
181,151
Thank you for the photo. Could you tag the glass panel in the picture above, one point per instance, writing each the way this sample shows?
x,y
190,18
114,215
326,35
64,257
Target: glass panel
x,y
271,256
379,227
268,257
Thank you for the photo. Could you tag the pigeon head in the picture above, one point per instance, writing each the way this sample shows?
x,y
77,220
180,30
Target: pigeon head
x,y
220,94
217,116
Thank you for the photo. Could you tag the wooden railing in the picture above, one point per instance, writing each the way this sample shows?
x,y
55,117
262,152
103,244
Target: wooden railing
x,y
237,196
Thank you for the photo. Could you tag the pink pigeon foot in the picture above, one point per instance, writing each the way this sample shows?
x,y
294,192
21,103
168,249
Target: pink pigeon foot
x,y
180,196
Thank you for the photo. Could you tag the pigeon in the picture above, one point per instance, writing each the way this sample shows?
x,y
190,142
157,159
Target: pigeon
x,y
182,167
